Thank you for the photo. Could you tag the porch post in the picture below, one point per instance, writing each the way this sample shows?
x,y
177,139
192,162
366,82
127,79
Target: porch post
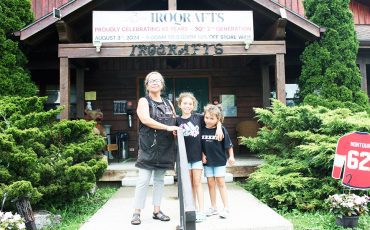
x,y
65,87
172,4
80,89
280,78
265,85
362,63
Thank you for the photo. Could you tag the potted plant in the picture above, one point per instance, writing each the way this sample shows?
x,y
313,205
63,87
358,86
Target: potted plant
x,y
348,207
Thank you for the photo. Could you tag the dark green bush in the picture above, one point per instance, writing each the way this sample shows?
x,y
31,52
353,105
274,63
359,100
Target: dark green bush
x,y
330,76
60,159
14,79
298,145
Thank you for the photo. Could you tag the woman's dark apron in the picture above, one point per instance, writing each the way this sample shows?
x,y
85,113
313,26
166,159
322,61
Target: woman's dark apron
x,y
157,148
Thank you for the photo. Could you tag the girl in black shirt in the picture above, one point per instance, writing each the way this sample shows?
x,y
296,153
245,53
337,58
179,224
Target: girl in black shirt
x,y
214,157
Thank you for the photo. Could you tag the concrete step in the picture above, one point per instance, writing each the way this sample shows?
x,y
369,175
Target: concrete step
x,y
117,171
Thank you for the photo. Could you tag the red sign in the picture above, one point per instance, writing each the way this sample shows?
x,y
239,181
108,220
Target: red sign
x,y
353,156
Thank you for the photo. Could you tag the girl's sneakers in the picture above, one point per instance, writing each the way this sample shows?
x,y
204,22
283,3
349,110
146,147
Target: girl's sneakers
x,y
224,213
200,217
211,212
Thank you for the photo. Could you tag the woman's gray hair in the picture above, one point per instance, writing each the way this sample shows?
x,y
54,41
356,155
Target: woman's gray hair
x,y
147,79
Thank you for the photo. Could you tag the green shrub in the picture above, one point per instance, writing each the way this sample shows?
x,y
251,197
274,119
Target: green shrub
x,y
14,79
59,159
298,146
330,76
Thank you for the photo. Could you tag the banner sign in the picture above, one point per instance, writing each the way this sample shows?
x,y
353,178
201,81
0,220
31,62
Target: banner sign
x,y
172,26
352,156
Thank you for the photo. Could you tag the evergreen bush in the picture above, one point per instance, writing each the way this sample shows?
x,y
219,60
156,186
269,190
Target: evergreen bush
x,y
56,159
330,76
14,79
298,145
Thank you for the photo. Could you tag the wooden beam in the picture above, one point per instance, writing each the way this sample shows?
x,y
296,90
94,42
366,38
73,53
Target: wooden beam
x,y
48,19
265,85
312,30
276,31
65,32
172,4
280,78
65,88
80,92
87,50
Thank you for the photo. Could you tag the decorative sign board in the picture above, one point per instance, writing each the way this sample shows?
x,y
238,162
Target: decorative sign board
x,y
179,25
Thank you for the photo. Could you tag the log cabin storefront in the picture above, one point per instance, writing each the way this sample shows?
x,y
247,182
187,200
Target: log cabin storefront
x,y
64,59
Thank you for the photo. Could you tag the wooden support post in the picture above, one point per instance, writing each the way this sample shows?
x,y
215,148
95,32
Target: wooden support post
x,y
172,5
80,92
265,86
362,63
280,78
65,88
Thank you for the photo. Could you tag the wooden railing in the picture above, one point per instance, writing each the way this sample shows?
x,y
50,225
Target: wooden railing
x,y
187,207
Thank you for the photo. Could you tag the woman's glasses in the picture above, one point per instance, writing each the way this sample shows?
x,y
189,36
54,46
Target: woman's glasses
x,y
154,81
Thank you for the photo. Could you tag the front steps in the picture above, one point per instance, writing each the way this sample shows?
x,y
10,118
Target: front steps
x,y
126,172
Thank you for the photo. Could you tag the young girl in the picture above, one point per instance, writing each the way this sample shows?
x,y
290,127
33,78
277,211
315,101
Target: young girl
x,y
214,157
192,123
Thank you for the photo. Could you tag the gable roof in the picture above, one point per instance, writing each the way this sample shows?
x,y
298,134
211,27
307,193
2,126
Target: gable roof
x,y
48,19
71,6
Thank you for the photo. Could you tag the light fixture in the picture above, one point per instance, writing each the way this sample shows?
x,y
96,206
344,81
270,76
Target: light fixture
x,y
97,45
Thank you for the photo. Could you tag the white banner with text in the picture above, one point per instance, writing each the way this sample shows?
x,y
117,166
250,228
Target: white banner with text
x,y
179,25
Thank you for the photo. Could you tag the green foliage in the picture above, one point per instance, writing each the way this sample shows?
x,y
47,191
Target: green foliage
x,y
60,159
14,79
21,189
298,146
330,76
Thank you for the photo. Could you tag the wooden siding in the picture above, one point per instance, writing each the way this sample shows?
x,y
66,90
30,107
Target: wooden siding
x,y
43,7
294,5
116,79
361,13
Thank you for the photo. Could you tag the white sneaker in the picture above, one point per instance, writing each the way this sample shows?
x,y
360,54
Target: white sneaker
x,y
224,213
211,212
200,217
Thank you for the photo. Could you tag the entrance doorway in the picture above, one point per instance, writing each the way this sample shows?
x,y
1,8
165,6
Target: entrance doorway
x,y
199,86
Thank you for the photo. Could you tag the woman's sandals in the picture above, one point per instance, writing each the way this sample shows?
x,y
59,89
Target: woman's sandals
x,y
160,216
136,219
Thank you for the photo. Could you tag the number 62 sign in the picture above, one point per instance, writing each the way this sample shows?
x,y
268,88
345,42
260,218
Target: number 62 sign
x,y
352,157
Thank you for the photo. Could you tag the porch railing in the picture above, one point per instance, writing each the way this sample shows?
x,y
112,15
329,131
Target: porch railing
x,y
187,207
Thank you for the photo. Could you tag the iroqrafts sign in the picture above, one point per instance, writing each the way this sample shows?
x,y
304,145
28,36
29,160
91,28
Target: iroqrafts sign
x,y
172,26
176,50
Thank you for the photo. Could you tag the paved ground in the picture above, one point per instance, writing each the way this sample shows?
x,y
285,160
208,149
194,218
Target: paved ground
x,y
246,213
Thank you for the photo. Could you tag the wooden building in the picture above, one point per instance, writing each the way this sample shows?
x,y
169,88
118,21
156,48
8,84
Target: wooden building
x,y
65,63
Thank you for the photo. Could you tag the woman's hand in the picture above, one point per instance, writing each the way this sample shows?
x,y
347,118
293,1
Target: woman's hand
x,y
171,128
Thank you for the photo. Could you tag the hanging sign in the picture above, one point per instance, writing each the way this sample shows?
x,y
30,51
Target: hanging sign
x,y
352,156
173,26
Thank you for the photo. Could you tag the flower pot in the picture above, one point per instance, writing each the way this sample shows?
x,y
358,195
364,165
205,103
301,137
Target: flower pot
x,y
347,221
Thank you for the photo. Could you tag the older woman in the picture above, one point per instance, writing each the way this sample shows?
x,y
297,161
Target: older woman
x,y
157,149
